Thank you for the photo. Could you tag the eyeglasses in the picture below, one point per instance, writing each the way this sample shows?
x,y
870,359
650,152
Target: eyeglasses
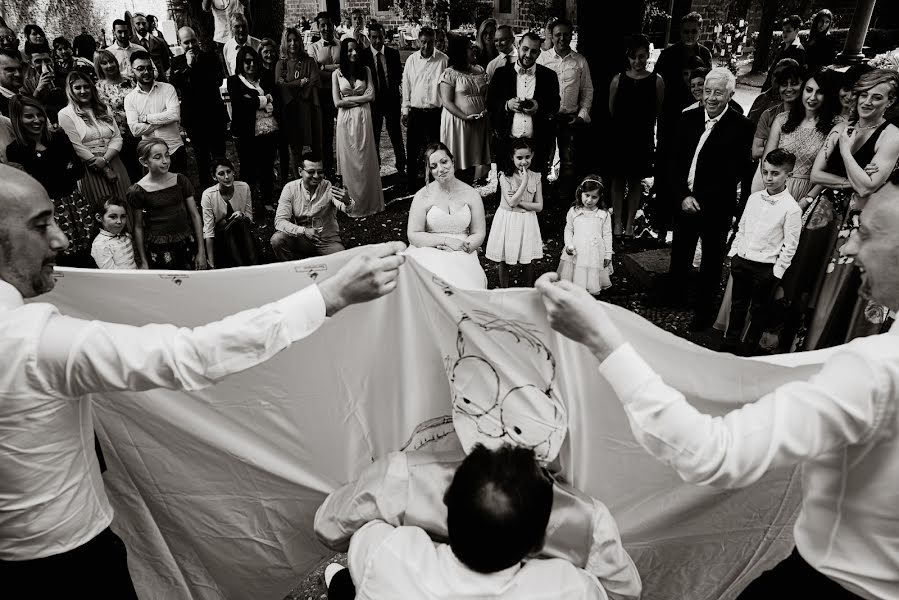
x,y
8,38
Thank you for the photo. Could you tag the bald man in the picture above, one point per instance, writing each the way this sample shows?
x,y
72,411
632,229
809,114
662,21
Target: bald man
x,y
197,75
55,539
842,426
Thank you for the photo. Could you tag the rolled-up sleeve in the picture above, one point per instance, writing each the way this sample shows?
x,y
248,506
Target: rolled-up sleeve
x,y
78,357
844,403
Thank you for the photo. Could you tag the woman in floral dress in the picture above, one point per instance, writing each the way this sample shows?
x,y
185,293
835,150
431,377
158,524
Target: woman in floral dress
x,y
112,88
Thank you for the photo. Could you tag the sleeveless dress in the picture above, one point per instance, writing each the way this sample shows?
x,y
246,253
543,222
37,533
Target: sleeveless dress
x,y
357,154
460,269
633,126
469,141
840,314
590,232
515,233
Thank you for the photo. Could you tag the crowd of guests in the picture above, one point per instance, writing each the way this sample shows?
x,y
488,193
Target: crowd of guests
x,y
112,130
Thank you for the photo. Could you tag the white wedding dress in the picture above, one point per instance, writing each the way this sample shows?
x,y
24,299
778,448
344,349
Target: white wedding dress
x,y
458,268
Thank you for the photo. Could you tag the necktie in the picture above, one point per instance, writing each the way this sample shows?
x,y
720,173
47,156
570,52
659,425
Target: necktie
x,y
145,43
382,76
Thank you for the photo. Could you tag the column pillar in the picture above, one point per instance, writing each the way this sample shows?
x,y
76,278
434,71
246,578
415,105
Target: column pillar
x,y
861,18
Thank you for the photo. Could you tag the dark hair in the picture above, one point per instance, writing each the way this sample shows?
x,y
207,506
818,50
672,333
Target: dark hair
x,y
691,17
347,69
17,106
31,48
61,41
356,11
375,27
794,21
564,22
322,15
780,157
108,201
850,76
818,17
506,28
695,62
239,68
826,113
457,51
11,54
220,161
498,507
118,22
141,55
590,183
311,157
699,72
785,71
635,42
530,35
517,144
427,31
31,27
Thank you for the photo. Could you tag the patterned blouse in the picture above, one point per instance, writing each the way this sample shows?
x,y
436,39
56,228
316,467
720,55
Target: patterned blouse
x,y
804,142
113,96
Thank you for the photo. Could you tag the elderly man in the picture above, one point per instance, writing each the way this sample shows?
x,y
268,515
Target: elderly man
x,y
498,506
123,47
523,100
222,11
421,102
576,100
326,53
8,39
505,44
710,156
11,77
55,538
155,47
306,217
841,425
240,36
153,110
197,75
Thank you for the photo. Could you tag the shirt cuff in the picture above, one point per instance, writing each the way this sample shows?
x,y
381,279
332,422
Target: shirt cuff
x,y
626,372
779,270
733,252
303,312
584,115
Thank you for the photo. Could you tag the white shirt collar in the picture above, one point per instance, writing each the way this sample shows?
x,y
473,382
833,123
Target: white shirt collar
x,y
775,197
375,53
140,90
715,119
10,298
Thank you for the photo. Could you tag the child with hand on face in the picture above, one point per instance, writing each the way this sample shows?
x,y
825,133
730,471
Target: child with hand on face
x,y
587,256
113,248
515,234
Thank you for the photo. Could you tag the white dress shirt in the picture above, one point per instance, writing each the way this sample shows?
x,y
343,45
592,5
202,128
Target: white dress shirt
x,y
161,112
575,82
841,425
123,55
526,83
388,562
501,61
229,51
52,498
421,78
325,54
769,230
709,126
113,251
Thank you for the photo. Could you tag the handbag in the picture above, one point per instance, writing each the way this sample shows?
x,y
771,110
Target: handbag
x,y
265,122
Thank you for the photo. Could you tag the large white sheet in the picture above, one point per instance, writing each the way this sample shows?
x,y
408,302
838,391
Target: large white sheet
x,y
215,491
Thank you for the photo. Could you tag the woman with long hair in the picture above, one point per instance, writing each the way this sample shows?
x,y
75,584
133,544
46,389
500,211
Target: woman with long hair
x,y
112,87
464,125
486,42
95,135
821,47
856,160
253,125
298,78
51,160
353,92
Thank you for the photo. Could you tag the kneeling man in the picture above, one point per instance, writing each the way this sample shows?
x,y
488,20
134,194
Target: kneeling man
x,y
306,219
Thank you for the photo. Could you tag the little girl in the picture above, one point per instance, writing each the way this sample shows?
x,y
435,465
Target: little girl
x,y
587,257
515,234
113,247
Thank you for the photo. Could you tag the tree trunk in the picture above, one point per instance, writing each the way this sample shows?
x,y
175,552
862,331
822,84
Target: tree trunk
x,y
766,33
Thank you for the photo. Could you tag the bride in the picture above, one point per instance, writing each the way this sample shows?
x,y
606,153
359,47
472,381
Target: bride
x,y
447,223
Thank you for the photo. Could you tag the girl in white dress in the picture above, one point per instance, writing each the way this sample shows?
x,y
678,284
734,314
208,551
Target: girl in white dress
x,y
587,257
515,234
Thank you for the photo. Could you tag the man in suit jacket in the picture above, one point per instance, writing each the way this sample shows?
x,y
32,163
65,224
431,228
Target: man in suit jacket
x,y
511,116
387,74
155,47
11,77
197,75
712,149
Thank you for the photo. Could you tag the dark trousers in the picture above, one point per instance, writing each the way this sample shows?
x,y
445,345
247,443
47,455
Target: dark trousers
x,y
342,586
208,143
793,573
329,113
96,569
289,247
179,161
257,163
712,230
753,288
389,110
423,128
128,154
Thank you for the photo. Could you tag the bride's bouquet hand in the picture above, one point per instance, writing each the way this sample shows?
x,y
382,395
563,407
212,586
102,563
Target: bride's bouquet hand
x,y
451,245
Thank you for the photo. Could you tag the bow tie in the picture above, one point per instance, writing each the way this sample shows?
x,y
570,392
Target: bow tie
x,y
523,71
770,199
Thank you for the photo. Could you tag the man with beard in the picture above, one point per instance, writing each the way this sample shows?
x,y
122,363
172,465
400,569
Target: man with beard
x,y
123,47
153,110
155,47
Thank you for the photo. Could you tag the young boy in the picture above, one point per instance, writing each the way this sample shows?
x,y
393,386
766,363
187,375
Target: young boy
x,y
762,251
